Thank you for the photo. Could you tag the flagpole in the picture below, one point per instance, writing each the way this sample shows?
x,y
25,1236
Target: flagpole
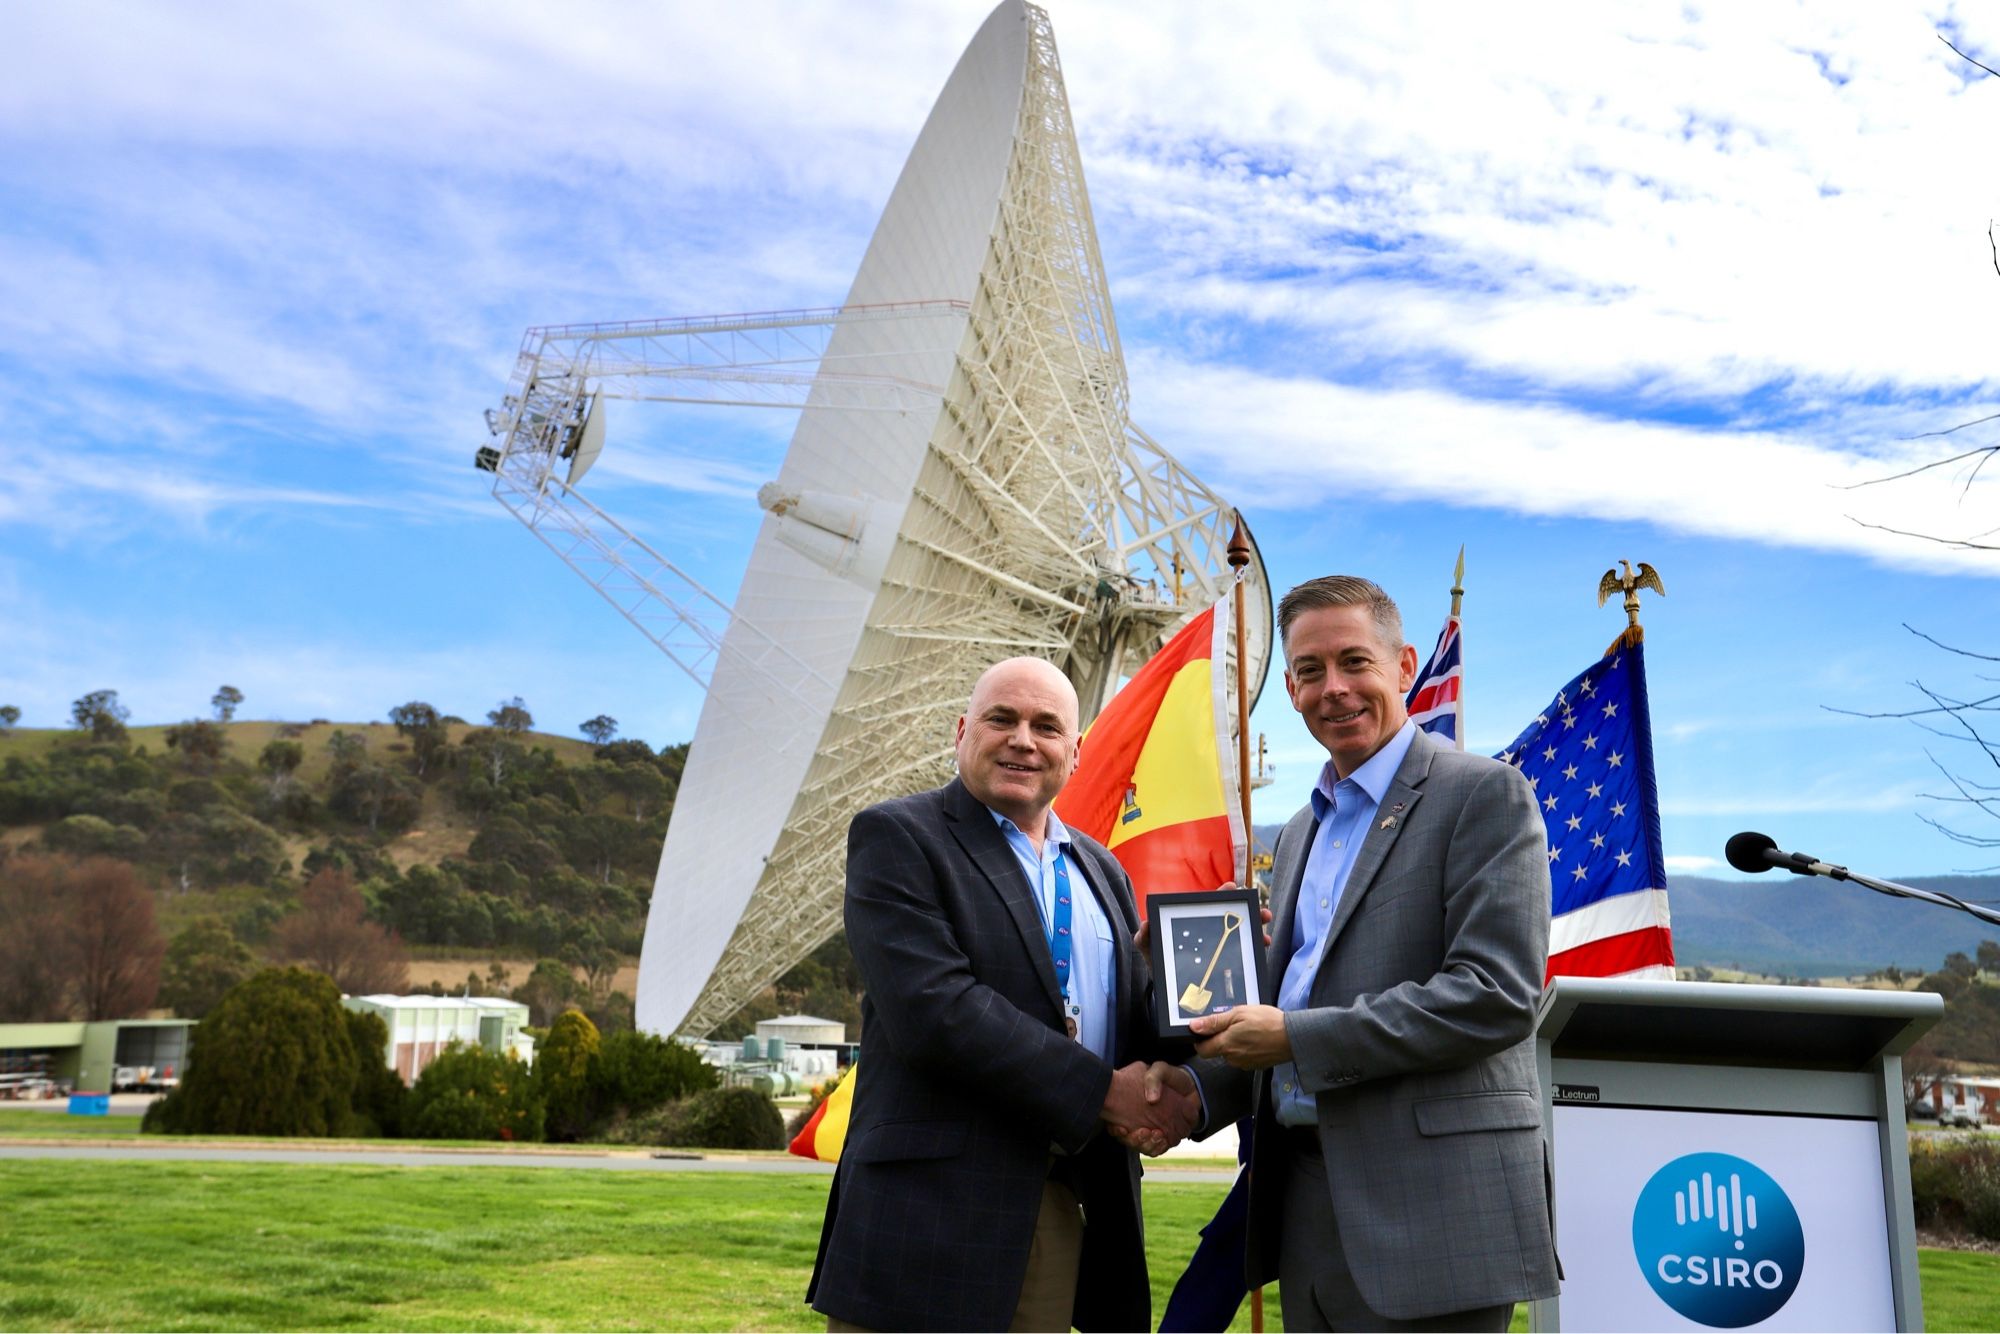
x,y
1458,595
1239,560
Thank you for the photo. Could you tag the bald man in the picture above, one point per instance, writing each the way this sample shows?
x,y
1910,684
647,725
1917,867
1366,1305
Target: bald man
x,y
1004,1034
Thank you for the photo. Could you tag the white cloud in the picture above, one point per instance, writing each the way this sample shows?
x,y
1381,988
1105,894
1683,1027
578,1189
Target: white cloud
x,y
1291,442
1692,865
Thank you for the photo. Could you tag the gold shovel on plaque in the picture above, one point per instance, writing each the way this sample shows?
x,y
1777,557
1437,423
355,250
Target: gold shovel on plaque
x,y
1197,996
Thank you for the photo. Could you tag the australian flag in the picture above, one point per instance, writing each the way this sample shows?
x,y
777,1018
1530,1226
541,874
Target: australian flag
x,y
1589,756
1433,701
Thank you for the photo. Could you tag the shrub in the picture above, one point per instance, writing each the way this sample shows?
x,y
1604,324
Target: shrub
x,y
1957,1186
638,1072
272,1058
379,1094
733,1118
738,1118
562,1075
472,1093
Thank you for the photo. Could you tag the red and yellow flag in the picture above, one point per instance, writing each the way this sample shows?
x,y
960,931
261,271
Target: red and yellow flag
x,y
826,1129
1153,786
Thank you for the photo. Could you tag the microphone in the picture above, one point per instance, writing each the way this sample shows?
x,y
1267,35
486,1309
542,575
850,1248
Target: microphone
x,y
1756,853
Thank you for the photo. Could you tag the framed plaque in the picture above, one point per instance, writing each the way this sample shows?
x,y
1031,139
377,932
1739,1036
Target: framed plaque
x,y
1207,955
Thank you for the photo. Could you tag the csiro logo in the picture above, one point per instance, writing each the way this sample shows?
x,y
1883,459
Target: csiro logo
x,y
1718,1240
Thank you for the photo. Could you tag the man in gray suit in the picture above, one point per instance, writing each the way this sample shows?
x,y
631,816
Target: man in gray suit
x,y
1398,1177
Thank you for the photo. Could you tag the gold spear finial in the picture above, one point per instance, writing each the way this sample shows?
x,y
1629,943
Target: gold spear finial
x,y
1629,585
1458,580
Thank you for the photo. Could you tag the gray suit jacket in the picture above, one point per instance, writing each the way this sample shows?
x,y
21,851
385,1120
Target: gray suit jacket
x,y
1419,1045
966,1080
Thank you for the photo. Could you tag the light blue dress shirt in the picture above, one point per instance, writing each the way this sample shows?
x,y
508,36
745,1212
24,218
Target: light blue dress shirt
x,y
1344,809
1093,952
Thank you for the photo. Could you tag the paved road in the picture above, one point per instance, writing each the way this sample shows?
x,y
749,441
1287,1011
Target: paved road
x,y
404,1157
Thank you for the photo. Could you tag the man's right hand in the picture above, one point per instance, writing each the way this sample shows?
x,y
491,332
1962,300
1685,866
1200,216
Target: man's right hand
x,y
1151,1109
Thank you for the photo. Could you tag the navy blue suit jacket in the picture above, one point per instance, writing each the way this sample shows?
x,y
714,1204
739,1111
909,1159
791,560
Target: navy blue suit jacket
x,y
966,1080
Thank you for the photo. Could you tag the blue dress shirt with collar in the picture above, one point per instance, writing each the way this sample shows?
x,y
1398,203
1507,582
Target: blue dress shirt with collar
x,y
1344,809
1093,951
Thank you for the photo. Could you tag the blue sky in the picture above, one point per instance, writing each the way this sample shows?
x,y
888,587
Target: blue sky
x,y
1650,283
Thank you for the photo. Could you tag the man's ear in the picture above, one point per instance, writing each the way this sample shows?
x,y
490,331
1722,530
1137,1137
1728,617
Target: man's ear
x,y
1408,662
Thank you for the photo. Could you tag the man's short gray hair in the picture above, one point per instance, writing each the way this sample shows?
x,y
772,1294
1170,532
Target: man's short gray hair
x,y
1344,590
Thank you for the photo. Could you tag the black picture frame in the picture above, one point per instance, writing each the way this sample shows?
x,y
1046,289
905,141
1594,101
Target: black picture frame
x,y
1191,977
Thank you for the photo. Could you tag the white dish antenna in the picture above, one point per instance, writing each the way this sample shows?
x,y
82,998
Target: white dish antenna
x,y
965,483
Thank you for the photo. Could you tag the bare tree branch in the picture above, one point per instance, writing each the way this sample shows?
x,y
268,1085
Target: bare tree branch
x,y
1964,798
1934,463
1958,716
1960,542
1949,430
1969,840
1966,58
1961,652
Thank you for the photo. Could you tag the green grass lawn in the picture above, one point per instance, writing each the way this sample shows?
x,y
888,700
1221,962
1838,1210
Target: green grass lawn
x,y
19,1123
229,1246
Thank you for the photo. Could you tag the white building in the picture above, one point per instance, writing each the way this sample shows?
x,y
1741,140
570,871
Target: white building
x,y
420,1027
803,1030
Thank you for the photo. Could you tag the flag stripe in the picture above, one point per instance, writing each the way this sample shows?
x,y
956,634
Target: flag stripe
x,y
1616,915
1184,858
1616,955
825,1132
1434,702
1153,785
1091,800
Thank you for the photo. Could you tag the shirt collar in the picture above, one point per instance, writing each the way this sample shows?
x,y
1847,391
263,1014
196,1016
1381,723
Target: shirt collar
x,y
1373,777
1053,832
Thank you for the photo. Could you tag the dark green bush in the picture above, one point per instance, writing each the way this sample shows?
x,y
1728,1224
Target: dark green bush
x,y
638,1072
379,1094
735,1118
563,1062
1955,1185
272,1058
738,1118
472,1093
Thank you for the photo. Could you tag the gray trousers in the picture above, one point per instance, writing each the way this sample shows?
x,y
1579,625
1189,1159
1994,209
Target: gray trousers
x,y
1315,1288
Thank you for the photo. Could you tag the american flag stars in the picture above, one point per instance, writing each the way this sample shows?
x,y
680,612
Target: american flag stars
x,y
1598,821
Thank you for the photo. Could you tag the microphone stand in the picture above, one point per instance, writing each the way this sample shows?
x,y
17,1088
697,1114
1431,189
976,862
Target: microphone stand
x,y
1891,888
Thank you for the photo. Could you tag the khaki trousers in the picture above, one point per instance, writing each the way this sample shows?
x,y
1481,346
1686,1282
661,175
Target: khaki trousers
x,y
1048,1289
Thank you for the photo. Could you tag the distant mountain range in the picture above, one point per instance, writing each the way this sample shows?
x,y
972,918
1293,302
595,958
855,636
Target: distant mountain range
x,y
1807,927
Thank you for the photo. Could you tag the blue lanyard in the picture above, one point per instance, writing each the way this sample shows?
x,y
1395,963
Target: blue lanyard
x,y
1059,939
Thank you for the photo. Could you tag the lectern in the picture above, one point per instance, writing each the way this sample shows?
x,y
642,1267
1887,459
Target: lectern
x,y
1729,1156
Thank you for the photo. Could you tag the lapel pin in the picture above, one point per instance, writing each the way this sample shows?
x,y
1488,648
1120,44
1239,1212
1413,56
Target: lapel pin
x,y
1388,822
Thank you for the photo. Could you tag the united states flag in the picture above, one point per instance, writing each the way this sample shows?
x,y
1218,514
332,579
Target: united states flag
x,y
1433,702
1589,756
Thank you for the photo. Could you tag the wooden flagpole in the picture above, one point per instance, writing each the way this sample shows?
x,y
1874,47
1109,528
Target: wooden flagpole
x,y
1239,560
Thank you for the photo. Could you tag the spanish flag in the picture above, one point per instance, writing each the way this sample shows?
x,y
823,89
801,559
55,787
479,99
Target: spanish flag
x,y
826,1129
1152,786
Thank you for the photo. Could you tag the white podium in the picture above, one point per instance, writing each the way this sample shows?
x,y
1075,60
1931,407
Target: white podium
x,y
1729,1157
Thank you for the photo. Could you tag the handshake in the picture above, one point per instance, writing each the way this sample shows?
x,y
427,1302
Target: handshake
x,y
1151,1108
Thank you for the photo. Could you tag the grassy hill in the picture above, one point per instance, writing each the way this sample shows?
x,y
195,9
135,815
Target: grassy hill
x,y
1801,926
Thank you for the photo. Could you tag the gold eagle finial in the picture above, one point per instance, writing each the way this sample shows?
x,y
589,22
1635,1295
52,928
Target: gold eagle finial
x,y
1630,584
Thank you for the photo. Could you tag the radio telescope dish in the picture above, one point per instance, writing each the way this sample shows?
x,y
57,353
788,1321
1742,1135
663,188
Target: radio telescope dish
x,y
965,483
